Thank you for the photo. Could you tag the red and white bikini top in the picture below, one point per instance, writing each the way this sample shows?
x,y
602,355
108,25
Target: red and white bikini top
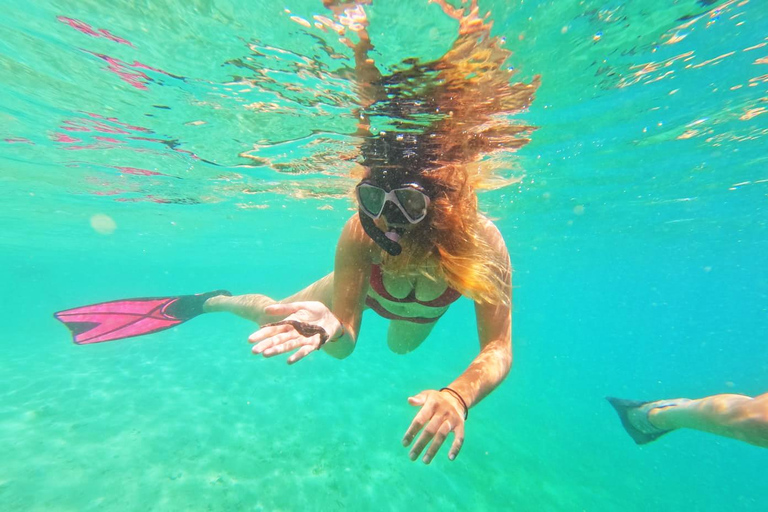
x,y
448,297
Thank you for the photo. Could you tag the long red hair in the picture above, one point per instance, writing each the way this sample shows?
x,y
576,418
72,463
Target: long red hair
x,y
471,89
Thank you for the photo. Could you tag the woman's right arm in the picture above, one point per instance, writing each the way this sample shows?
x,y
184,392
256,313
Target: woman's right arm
x,y
351,275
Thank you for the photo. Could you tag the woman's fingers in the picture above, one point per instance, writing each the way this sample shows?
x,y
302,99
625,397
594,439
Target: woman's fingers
x,y
426,436
458,441
268,332
274,340
421,419
419,399
279,339
272,346
285,346
305,350
437,441
435,420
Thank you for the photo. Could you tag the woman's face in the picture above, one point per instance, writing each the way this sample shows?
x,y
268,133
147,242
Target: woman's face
x,y
409,199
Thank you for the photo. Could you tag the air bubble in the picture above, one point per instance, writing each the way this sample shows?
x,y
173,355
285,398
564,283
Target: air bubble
x,y
103,224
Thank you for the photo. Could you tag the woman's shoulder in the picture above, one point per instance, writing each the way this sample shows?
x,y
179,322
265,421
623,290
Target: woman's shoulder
x,y
491,233
353,229
353,236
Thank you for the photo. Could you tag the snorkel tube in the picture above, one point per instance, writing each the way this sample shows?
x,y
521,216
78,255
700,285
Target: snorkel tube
x,y
387,241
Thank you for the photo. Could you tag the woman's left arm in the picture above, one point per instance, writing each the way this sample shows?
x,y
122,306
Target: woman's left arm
x,y
494,329
446,410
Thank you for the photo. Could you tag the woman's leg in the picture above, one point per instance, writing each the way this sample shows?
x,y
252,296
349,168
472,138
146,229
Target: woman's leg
x,y
736,416
252,306
404,336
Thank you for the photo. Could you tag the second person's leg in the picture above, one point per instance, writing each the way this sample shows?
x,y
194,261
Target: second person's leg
x,y
736,416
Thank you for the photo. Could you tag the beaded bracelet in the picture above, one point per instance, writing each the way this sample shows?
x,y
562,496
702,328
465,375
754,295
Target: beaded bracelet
x,y
463,403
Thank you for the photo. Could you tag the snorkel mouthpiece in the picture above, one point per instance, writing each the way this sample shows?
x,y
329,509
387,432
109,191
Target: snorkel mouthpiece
x,y
393,235
387,241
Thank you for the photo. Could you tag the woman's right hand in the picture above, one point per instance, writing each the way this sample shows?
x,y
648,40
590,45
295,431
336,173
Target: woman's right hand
x,y
279,338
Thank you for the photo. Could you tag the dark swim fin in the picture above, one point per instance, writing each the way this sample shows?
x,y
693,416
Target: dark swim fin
x,y
635,421
125,318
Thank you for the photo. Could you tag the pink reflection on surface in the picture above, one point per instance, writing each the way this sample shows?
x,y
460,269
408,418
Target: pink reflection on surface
x,y
108,139
98,132
18,140
114,120
147,198
86,29
161,141
137,64
124,71
138,172
86,125
128,72
63,137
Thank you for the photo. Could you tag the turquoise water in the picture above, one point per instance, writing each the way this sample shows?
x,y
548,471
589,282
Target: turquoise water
x,y
164,148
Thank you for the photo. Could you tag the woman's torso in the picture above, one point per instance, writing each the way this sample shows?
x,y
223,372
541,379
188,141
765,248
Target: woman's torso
x,y
416,297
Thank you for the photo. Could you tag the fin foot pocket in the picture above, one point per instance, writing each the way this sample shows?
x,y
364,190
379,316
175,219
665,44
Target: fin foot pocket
x,y
187,307
634,417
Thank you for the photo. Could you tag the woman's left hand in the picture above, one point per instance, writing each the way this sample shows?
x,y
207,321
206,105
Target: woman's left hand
x,y
440,414
305,328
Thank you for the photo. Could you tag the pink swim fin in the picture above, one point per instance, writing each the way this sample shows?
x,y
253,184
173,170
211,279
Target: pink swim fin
x,y
125,318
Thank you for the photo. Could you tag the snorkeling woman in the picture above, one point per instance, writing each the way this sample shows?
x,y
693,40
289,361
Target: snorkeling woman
x,y
416,245
418,241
